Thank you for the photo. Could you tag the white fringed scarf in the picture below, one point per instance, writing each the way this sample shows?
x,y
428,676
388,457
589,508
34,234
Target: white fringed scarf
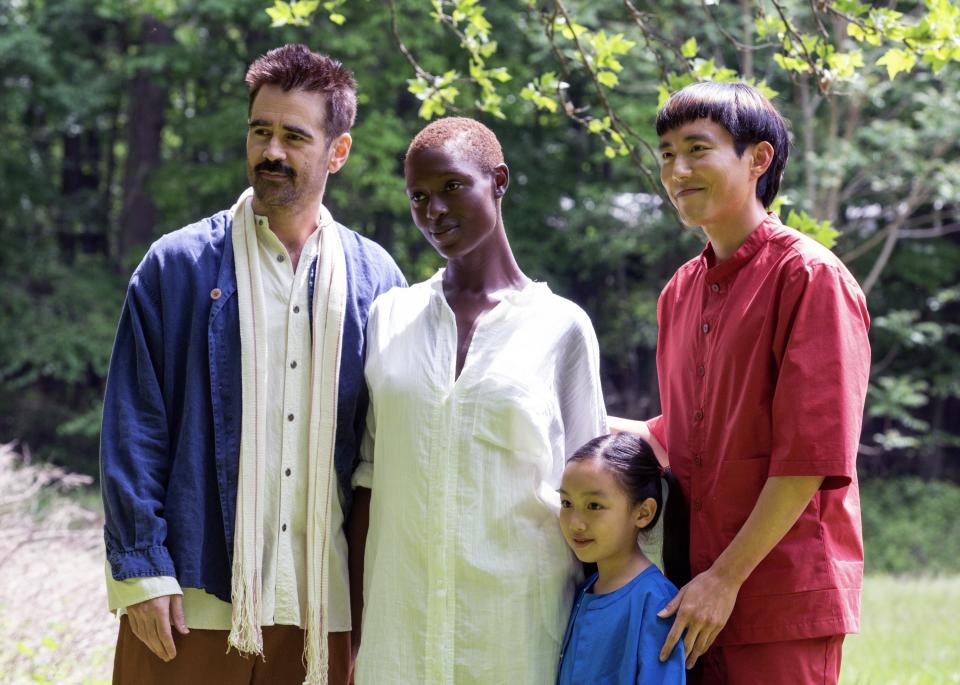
x,y
329,302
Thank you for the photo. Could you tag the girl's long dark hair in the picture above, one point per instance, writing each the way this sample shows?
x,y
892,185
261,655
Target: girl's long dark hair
x,y
633,464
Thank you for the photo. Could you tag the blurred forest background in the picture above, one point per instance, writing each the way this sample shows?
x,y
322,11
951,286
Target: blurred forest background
x,y
122,120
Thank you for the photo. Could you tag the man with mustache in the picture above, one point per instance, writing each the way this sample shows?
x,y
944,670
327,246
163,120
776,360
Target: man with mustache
x,y
233,410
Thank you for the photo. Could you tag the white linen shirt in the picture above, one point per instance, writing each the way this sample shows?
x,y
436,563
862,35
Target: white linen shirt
x,y
467,578
289,359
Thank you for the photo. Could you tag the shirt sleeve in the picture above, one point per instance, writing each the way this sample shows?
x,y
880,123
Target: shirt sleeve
x,y
658,429
822,376
124,593
134,443
363,476
653,634
578,386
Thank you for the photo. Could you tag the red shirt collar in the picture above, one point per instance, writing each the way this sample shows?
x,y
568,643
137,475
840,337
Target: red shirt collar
x,y
718,272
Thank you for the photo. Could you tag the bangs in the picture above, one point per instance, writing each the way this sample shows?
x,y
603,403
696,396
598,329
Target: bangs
x,y
737,107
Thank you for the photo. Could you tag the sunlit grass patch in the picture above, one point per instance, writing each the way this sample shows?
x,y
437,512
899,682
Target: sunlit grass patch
x,y
910,633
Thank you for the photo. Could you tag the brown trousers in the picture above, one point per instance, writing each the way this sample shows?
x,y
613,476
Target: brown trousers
x,y
202,659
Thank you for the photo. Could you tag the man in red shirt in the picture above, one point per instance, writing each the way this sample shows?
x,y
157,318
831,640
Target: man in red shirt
x,y
763,362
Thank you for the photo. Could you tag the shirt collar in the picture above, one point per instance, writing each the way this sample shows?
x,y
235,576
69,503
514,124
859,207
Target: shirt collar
x,y
751,246
531,292
269,239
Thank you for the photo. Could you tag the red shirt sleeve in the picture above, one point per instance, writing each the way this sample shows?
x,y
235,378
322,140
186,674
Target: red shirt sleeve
x,y
822,376
659,430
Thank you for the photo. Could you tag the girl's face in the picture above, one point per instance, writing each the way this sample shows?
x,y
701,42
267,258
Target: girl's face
x,y
597,518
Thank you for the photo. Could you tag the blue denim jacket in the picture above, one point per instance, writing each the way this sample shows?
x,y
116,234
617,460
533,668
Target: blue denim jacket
x,y
170,444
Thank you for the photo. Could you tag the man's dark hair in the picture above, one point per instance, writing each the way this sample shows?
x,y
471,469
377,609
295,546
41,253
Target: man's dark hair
x,y
746,114
296,66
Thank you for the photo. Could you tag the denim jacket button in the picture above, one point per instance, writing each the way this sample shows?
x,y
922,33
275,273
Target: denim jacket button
x,y
215,294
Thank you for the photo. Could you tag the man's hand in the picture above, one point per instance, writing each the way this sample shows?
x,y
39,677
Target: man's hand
x,y
702,608
150,621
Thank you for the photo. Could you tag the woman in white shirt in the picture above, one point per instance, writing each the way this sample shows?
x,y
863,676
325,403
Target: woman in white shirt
x,y
482,382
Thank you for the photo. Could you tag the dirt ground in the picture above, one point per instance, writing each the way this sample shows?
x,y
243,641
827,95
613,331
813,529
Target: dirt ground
x,y
54,622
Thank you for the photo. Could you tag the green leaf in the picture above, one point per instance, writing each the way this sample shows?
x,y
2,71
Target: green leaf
x,y
689,48
788,63
304,8
897,60
608,78
337,19
845,64
821,231
281,14
663,94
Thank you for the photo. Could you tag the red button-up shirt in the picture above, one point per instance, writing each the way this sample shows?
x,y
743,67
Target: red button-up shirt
x,y
763,362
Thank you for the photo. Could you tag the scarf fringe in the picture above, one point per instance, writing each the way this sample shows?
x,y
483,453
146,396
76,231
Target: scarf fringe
x,y
246,635
316,653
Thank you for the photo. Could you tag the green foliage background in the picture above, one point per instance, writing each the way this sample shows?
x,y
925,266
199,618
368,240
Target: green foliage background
x,y
88,177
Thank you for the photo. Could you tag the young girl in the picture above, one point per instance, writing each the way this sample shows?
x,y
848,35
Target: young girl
x,y
610,494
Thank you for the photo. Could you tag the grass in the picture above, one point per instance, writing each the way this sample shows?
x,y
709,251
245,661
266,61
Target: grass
x,y
54,627
910,633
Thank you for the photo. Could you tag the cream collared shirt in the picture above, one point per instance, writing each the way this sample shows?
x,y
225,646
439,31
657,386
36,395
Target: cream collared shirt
x,y
285,496
467,578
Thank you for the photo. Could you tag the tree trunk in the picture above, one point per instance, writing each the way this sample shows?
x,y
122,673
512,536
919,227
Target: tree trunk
x,y
746,37
147,96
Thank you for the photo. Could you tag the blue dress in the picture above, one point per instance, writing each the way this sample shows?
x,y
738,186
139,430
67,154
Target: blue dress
x,y
615,639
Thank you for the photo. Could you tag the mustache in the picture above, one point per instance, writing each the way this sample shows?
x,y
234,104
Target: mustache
x,y
275,167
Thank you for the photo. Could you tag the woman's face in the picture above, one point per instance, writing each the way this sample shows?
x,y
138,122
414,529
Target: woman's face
x,y
453,201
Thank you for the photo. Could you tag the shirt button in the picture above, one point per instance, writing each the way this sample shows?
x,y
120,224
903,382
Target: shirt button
x,y
715,287
705,328
215,294
284,527
698,460
287,472
697,504
296,309
697,415
293,364
281,258
289,417
701,371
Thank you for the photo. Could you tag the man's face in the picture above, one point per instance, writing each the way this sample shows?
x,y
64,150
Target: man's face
x,y
288,152
707,182
452,200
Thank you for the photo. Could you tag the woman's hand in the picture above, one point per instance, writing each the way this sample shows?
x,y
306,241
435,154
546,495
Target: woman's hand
x,y
617,424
